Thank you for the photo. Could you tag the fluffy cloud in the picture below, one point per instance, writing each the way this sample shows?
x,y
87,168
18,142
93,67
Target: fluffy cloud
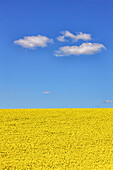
x,y
46,92
61,38
33,41
78,36
84,48
108,101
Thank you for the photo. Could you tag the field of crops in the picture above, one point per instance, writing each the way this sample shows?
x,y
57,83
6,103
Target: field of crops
x,y
59,139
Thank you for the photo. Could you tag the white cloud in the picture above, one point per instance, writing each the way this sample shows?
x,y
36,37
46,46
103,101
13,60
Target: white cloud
x,y
33,41
84,48
78,36
46,92
61,38
108,101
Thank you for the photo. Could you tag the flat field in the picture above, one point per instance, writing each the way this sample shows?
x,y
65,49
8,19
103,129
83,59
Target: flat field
x,y
58,139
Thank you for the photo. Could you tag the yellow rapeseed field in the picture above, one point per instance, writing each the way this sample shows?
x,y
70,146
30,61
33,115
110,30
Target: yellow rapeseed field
x,y
58,139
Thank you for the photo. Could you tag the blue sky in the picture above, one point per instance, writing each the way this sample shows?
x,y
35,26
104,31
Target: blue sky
x,y
56,53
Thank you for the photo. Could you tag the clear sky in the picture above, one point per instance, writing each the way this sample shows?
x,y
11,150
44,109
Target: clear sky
x,y
56,53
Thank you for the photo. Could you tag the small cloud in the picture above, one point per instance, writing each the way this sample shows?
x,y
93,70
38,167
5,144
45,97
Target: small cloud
x,y
84,48
78,36
33,41
12,93
108,101
46,92
61,38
